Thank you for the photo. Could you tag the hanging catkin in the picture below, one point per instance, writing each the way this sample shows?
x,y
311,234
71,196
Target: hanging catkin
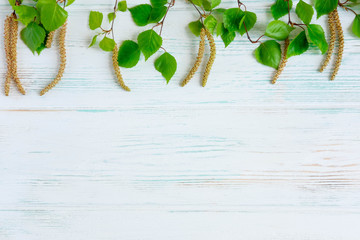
x,y
49,39
341,44
198,59
62,66
13,52
51,34
117,69
283,62
7,36
211,59
332,28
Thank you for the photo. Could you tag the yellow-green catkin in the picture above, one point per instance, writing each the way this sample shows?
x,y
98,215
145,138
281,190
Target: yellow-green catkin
x,y
332,28
62,50
49,39
13,52
283,62
341,45
7,37
211,59
117,69
198,59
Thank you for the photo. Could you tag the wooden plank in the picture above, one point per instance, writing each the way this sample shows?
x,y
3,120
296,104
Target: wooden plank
x,y
239,159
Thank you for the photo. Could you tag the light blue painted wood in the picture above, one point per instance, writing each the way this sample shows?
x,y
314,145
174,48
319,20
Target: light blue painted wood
x,y
240,159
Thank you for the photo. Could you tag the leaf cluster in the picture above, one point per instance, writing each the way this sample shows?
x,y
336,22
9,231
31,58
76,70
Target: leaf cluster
x,y
148,42
226,23
269,53
40,17
301,34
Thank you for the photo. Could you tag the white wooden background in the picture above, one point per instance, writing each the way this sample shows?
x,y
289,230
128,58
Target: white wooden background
x,y
239,159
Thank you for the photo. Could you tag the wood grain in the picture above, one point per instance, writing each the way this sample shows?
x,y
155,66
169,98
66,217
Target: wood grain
x,y
239,159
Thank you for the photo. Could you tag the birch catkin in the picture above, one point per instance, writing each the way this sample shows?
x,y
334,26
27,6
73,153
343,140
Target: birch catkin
x,y
283,62
211,59
341,44
332,28
49,39
7,36
13,52
198,59
117,69
62,66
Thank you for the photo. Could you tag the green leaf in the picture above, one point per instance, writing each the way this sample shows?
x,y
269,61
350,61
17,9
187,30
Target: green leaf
x,y
51,14
210,23
304,11
220,29
232,18
12,2
122,6
317,36
198,2
93,41
129,54
149,43
219,11
141,14
195,27
210,4
41,2
157,14
33,36
356,26
324,7
111,16
278,30
41,48
269,54
298,45
227,36
354,4
249,20
107,44
158,3
26,14
281,8
69,2
95,20
166,65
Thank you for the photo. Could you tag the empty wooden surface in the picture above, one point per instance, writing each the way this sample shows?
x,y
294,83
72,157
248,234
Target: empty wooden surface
x,y
239,159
